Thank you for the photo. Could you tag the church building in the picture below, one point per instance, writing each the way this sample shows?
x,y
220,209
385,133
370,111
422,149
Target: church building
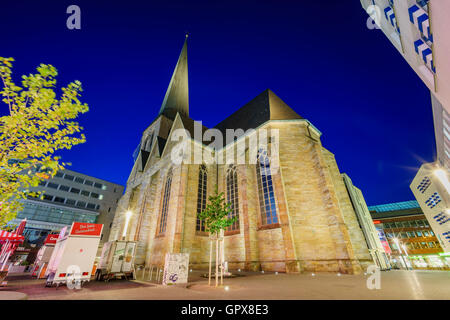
x,y
294,212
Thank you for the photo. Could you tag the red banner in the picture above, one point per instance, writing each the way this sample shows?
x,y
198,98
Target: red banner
x,y
51,239
86,229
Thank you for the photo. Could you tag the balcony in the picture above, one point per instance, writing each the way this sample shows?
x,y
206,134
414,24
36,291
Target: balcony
x,y
419,17
390,16
424,51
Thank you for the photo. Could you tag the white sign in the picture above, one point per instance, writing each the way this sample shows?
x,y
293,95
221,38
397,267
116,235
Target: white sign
x,y
176,268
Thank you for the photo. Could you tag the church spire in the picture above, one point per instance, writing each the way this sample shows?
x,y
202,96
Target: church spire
x,y
177,94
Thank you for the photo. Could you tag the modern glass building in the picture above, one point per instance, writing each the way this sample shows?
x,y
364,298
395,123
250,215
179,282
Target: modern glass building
x,y
412,242
69,197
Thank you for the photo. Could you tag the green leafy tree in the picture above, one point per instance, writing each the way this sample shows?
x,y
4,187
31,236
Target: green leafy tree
x,y
216,217
38,124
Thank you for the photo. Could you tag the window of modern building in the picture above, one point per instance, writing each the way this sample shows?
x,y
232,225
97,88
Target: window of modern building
x,y
48,197
411,234
424,245
42,183
404,235
64,188
90,206
97,207
419,233
94,195
88,182
109,209
431,244
52,185
233,196
426,234
201,196
266,194
79,180
98,185
431,233
70,202
59,174
405,224
75,190
81,204
165,203
69,177
85,193
59,199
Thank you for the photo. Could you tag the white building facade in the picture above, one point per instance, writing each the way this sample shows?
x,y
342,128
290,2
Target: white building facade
x,y
420,31
69,197
431,188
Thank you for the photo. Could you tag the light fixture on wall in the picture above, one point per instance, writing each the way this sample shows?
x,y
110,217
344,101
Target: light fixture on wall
x,y
127,221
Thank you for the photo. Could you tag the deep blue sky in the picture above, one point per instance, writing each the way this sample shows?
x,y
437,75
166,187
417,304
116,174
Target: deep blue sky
x,y
318,56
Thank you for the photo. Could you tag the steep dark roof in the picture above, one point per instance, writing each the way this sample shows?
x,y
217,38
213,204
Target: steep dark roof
x,y
188,124
266,106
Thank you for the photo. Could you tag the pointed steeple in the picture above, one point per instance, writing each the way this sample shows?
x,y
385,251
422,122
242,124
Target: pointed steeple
x,y
177,94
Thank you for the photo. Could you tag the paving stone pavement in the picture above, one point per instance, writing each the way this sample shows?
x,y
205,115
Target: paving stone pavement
x,y
268,286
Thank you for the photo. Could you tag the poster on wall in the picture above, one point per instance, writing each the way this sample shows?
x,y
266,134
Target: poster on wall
x,y
176,268
384,241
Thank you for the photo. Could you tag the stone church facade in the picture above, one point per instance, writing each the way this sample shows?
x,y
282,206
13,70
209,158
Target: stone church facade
x,y
293,210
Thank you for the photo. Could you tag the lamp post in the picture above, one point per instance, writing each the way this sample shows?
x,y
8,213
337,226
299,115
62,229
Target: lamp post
x,y
401,253
407,255
127,221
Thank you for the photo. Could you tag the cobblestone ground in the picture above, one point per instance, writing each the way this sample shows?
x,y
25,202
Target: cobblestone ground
x,y
394,285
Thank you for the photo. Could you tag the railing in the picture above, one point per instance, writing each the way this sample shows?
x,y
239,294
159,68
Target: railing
x,y
150,273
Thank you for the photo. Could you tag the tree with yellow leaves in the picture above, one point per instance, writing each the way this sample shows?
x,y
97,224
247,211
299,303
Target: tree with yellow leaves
x,y
37,125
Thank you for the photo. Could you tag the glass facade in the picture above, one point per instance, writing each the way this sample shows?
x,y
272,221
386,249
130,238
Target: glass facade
x,y
51,214
413,204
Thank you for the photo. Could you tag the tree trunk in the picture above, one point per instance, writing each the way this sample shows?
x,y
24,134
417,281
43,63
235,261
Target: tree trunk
x,y
217,261
210,260
222,259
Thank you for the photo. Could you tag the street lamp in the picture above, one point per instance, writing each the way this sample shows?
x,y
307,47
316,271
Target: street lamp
x,y
127,220
401,253
406,252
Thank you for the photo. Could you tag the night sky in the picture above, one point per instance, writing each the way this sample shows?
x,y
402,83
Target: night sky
x,y
318,56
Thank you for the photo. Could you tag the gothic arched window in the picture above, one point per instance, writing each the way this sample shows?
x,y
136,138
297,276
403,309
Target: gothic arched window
x,y
201,196
165,202
233,196
267,203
